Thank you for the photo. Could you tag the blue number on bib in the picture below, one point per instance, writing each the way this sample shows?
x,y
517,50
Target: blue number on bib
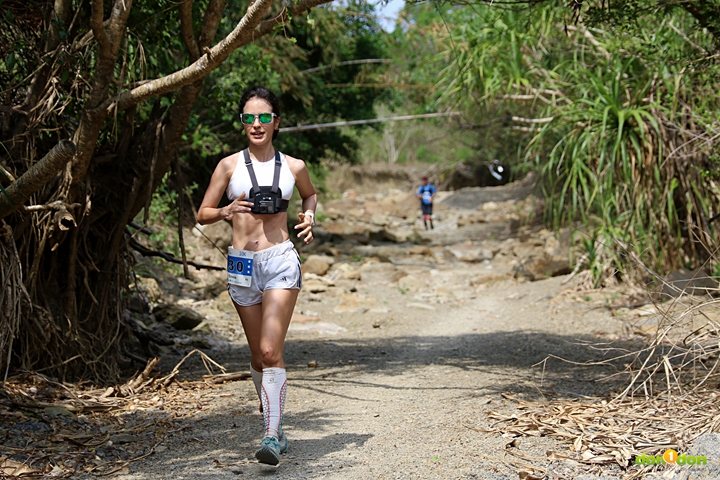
x,y
239,268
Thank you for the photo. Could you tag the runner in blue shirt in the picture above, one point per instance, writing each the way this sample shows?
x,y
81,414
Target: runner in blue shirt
x,y
426,193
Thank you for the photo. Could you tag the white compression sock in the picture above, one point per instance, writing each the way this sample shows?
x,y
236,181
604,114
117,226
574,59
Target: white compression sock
x,y
274,386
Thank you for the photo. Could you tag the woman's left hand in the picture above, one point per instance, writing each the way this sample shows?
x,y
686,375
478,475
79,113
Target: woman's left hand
x,y
305,226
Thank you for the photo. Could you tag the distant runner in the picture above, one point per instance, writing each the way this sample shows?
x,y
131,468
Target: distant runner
x,y
426,193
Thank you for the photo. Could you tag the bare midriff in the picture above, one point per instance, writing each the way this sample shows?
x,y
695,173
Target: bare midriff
x,y
257,232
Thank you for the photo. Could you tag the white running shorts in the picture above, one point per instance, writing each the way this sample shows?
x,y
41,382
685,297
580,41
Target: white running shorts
x,y
277,267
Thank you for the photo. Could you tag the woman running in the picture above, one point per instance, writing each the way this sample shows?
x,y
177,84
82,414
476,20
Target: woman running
x,y
264,277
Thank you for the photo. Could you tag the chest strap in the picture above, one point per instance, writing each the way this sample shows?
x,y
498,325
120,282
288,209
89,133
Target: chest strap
x,y
282,204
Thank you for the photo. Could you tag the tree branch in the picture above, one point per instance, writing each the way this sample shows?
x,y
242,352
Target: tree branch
x,y
169,257
241,35
96,22
245,32
31,181
186,29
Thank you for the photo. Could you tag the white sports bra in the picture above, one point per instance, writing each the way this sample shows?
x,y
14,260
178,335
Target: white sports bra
x,y
264,171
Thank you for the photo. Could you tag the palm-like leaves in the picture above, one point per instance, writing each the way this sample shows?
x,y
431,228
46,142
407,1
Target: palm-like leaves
x,y
617,152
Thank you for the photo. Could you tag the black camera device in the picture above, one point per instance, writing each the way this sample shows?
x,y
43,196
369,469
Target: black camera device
x,y
266,200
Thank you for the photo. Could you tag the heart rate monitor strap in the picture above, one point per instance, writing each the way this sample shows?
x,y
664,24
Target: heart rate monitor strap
x,y
276,178
251,170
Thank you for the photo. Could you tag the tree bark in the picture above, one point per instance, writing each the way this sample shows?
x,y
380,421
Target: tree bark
x,y
34,179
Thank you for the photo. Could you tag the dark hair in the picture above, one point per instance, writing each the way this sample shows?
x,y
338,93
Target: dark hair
x,y
265,94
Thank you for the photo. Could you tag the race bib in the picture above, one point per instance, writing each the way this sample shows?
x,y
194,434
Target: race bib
x,y
427,196
239,267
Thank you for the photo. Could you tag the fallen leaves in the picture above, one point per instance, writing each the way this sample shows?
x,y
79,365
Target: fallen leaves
x,y
49,429
611,433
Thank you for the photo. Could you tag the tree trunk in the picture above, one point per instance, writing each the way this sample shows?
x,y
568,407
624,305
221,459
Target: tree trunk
x,y
77,268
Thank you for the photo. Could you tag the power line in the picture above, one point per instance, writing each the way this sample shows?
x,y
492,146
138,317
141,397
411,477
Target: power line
x,y
318,126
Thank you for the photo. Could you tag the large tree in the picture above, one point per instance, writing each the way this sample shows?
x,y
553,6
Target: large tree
x,y
90,121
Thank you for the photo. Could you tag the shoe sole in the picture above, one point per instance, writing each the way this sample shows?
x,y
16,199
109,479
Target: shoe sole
x,y
267,456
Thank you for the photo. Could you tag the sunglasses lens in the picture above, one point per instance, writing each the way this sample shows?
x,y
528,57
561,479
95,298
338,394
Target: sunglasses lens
x,y
249,118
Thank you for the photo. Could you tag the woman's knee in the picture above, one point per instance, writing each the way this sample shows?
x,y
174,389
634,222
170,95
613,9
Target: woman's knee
x,y
271,356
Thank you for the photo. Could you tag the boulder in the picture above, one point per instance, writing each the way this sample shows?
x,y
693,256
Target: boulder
x,y
314,286
421,250
179,317
400,234
317,264
150,288
219,234
345,271
378,272
470,218
470,252
539,267
415,283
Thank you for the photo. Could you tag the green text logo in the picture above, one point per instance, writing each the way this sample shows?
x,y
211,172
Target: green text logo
x,y
671,456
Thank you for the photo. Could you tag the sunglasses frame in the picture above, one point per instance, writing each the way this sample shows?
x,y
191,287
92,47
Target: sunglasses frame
x,y
257,115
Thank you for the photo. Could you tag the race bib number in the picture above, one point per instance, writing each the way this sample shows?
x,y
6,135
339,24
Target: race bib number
x,y
239,267
427,196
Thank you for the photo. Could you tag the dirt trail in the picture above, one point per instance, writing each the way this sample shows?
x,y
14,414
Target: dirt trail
x,y
398,400
393,375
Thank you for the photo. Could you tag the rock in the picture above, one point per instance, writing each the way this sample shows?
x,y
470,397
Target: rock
x,y
421,306
421,250
400,234
378,272
214,286
200,342
353,304
314,286
219,234
203,328
470,218
539,267
690,282
469,252
58,411
317,264
379,219
150,288
181,318
414,283
362,233
707,445
345,271
138,304
489,206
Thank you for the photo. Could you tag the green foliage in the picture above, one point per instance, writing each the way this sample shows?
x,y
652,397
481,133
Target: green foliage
x,y
328,37
618,113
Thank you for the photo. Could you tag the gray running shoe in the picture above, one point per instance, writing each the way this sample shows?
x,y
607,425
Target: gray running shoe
x,y
269,452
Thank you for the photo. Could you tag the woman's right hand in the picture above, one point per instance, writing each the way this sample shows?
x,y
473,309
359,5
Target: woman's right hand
x,y
239,205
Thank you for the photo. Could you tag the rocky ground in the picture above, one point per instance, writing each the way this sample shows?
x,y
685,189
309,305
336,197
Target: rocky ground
x,y
405,349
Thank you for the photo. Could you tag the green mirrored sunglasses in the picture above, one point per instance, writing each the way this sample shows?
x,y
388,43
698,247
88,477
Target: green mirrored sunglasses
x,y
249,118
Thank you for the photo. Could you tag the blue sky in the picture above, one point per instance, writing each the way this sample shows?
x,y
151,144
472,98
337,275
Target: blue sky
x,y
389,12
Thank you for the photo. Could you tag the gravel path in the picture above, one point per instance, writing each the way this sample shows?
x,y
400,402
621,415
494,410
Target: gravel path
x,y
401,387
